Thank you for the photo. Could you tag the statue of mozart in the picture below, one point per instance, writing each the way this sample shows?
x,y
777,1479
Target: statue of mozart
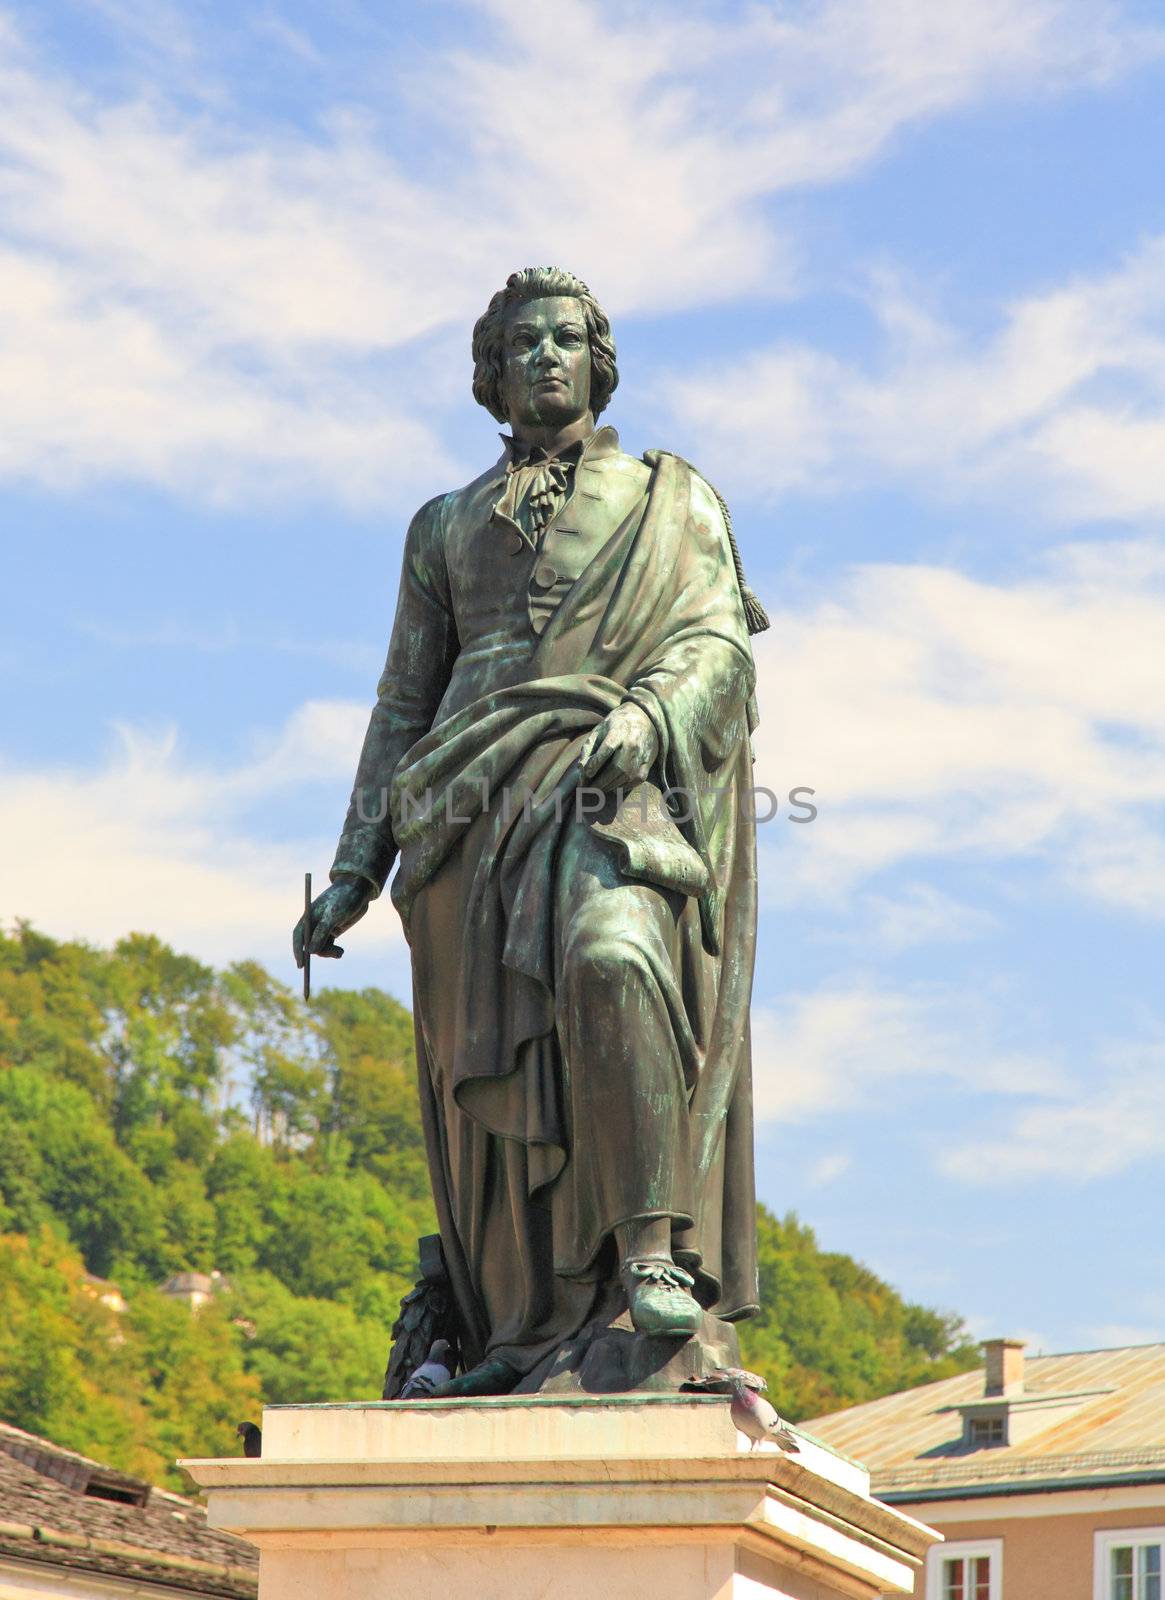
x,y
559,763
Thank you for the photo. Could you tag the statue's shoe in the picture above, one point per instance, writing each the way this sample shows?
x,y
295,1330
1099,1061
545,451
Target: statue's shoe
x,y
660,1300
488,1377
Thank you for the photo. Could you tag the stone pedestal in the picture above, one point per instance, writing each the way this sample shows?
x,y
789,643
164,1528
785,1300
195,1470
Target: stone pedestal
x,y
655,1497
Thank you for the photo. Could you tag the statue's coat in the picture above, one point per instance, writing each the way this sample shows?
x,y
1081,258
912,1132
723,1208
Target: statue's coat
x,y
503,658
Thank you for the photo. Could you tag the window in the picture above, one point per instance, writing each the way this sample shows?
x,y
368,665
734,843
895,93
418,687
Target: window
x,y
967,1571
1130,1565
987,1431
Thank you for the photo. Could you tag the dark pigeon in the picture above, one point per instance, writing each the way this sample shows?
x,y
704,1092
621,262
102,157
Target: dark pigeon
x,y
426,1313
431,1372
757,1419
252,1439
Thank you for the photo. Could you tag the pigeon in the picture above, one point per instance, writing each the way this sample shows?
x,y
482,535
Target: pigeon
x,y
721,1379
252,1439
430,1373
753,1416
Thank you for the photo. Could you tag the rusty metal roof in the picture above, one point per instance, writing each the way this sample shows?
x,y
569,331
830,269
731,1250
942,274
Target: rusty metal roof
x,y
913,1442
61,1510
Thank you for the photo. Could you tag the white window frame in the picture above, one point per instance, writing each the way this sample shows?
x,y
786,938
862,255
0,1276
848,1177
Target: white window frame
x,y
987,1422
966,1548
1103,1543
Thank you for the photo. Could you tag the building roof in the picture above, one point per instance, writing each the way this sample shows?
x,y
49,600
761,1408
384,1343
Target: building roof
x,y
1105,1412
59,1509
192,1283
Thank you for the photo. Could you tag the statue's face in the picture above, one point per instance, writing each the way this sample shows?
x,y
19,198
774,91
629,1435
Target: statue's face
x,y
546,363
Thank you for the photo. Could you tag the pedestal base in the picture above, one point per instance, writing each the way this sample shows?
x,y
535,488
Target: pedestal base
x,y
608,1357
528,1498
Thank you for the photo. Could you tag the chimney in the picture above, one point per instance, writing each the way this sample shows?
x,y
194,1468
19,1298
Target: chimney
x,y
1004,1375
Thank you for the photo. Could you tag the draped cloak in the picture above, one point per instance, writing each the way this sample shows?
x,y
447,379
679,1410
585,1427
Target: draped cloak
x,y
483,804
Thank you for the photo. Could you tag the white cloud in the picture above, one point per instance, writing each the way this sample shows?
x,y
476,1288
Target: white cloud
x,y
829,1168
1065,400
153,841
194,293
856,1043
841,1046
1097,1126
93,387
919,914
937,715
688,126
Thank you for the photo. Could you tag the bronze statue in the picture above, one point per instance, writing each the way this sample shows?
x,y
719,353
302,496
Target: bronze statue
x,y
559,758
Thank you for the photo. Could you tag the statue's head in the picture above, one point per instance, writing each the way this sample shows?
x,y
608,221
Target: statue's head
x,y
543,351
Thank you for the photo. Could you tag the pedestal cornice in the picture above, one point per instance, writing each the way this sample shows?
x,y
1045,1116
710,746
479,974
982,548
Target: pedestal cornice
x,y
641,1471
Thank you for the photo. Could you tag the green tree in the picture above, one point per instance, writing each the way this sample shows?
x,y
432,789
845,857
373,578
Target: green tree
x,y
22,1208
277,1045
134,1389
94,1190
303,1349
831,1333
192,1364
169,1031
53,1005
247,1186
334,1231
369,1039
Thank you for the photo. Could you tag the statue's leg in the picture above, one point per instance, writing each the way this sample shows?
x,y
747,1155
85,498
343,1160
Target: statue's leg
x,y
630,1061
498,1241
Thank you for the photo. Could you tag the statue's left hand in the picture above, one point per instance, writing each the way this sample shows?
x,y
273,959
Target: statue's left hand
x,y
621,750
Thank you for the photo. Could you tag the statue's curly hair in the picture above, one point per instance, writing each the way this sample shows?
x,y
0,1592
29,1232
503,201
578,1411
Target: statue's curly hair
x,y
538,283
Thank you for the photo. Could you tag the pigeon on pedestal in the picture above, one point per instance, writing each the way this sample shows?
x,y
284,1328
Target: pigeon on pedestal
x,y
430,1373
252,1439
753,1416
720,1381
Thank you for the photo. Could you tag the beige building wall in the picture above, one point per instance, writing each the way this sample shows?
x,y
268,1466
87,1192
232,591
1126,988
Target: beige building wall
x,y
1045,1557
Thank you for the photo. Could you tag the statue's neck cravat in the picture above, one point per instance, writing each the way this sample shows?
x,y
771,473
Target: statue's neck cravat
x,y
536,489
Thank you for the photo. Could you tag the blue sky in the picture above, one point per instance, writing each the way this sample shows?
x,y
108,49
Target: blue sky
x,y
893,275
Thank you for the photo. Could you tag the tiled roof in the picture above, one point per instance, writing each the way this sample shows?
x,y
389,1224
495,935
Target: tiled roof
x,y
53,1512
913,1445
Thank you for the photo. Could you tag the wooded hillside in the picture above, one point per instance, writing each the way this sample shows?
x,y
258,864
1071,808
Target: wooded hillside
x,y
158,1116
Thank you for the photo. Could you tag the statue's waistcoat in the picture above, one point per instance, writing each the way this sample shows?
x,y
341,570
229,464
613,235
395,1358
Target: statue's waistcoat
x,y
606,491
505,588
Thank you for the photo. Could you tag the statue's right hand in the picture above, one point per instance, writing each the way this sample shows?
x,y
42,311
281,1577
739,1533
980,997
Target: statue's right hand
x,y
341,904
